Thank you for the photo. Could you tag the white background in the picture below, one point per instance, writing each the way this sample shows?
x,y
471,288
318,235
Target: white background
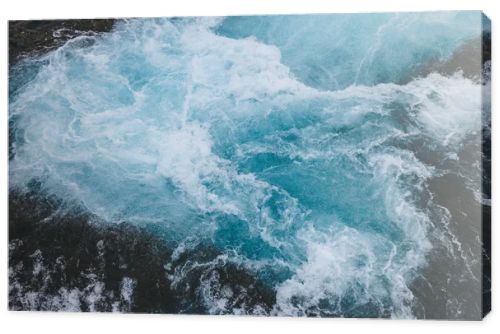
x,y
21,322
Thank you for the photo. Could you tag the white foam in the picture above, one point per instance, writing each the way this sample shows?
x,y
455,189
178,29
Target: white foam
x,y
115,143
447,107
345,264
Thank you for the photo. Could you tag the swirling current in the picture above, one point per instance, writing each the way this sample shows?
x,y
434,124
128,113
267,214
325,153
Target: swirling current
x,y
305,150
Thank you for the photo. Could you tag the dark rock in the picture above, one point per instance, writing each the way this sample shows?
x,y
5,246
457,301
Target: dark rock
x,y
38,36
59,254
71,251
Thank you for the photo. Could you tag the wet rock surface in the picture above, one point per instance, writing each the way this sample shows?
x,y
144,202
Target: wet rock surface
x,y
39,36
66,261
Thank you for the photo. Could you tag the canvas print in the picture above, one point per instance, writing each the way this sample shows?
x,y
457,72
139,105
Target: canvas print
x,y
329,165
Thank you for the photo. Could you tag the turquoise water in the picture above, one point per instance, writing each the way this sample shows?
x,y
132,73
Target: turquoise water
x,y
284,140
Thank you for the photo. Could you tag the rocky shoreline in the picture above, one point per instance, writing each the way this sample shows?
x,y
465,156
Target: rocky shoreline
x,y
39,36
62,260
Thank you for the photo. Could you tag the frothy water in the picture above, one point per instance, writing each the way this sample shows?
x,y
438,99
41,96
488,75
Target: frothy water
x,y
282,140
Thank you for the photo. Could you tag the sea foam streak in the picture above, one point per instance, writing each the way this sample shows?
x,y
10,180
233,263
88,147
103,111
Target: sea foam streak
x,y
214,137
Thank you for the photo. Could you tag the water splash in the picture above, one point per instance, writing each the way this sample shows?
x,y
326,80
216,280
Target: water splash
x,y
225,130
